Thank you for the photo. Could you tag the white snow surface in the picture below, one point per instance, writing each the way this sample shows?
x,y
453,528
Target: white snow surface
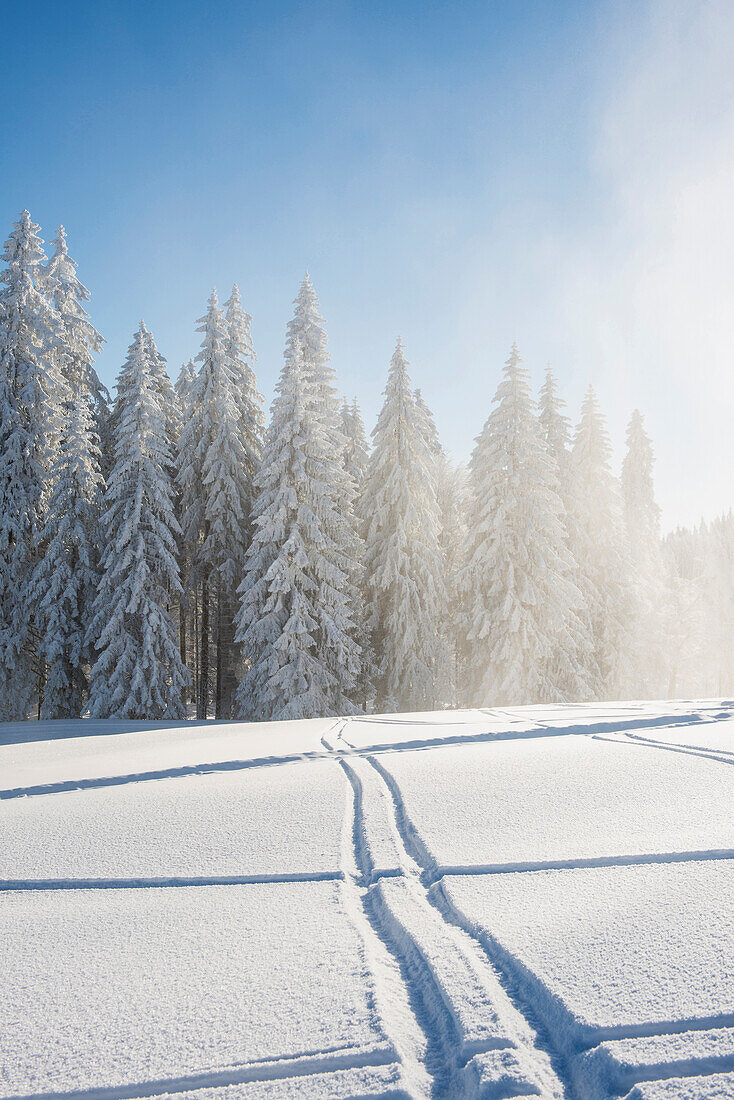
x,y
533,901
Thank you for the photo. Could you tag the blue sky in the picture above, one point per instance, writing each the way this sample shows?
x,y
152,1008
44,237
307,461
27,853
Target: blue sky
x,y
462,174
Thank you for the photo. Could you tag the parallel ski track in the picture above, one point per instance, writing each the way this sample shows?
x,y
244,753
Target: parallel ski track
x,y
417,851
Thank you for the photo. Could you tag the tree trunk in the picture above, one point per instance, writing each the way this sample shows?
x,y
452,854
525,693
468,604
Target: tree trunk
x,y
218,702
203,703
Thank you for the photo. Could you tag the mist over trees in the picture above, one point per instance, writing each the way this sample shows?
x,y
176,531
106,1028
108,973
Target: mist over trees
x,y
166,554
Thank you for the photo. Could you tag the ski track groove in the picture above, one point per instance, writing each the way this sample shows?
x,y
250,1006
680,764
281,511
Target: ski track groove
x,y
437,1018
647,743
438,1036
278,1069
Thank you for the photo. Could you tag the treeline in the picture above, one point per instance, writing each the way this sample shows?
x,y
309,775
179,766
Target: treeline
x,y
162,554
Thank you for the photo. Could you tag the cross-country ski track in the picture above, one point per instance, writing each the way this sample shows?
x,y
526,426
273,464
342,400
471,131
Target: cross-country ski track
x,y
494,903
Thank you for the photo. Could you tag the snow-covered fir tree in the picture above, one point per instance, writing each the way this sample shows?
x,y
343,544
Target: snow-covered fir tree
x,y
295,620
524,636
449,485
138,671
241,363
186,608
555,428
215,475
30,388
67,575
404,583
80,341
356,448
644,665
598,545
306,332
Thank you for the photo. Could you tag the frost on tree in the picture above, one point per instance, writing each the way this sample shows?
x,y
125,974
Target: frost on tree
x,y
404,571
215,465
138,671
599,548
296,620
66,577
29,393
524,636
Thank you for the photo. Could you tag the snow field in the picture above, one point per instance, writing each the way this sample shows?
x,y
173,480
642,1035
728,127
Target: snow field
x,y
614,951
133,987
276,821
83,751
528,802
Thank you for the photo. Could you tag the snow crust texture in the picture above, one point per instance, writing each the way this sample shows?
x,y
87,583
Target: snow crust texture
x,y
509,903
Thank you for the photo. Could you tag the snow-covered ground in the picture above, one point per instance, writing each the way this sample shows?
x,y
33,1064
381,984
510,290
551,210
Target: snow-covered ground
x,y
527,902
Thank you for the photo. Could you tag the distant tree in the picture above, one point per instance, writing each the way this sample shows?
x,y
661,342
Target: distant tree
x,y
404,568
645,660
520,597
138,671
599,548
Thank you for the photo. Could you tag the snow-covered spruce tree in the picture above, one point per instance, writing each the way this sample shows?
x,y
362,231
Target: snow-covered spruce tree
x,y
356,448
306,332
555,428
240,361
577,680
187,603
520,597
138,671
294,622
644,664
451,540
29,390
216,484
599,547
404,584
80,341
67,575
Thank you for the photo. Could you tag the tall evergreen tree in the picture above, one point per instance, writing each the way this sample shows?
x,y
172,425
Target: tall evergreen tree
x,y
306,337
138,671
555,428
241,363
294,623
67,574
29,388
521,600
356,448
80,341
404,582
599,548
214,475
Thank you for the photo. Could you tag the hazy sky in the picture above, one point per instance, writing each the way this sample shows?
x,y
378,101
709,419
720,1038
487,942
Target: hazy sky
x,y
464,174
